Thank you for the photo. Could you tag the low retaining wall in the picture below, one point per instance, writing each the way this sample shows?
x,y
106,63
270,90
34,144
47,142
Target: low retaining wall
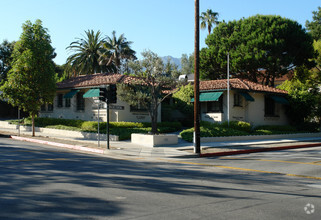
x,y
259,137
50,132
150,140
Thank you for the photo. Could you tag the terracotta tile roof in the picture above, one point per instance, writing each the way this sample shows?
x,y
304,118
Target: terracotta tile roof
x,y
90,80
238,84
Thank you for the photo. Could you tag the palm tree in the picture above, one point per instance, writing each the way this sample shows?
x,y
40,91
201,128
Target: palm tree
x,y
85,59
116,50
209,18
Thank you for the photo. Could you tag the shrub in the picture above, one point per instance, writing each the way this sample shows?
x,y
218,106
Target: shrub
x,y
309,127
187,134
63,127
238,125
125,133
279,128
124,124
214,131
263,132
89,126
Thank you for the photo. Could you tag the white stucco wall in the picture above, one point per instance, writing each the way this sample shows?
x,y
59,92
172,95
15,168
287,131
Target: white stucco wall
x,y
91,113
252,112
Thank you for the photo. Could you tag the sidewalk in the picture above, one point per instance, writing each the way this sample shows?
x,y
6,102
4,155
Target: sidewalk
x,y
182,149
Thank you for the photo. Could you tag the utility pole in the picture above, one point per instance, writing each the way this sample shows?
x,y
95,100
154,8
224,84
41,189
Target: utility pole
x,y
197,140
228,89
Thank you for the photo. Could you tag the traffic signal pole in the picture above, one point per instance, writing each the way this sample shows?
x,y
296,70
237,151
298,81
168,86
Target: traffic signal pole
x,y
107,110
108,94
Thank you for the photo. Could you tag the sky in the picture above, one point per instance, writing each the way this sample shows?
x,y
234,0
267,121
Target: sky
x,y
165,27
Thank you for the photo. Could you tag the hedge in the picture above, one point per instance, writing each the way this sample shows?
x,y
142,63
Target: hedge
x,y
122,129
236,128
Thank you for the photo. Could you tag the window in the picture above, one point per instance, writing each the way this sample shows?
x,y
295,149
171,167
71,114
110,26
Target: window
x,y
216,106
137,108
269,108
43,108
50,107
60,100
80,101
237,99
67,103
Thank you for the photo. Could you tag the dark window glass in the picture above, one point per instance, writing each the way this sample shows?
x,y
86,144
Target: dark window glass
x,y
215,106
269,106
60,101
67,103
80,101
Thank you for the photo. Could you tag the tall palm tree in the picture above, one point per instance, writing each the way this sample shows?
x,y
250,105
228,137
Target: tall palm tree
x,y
209,18
85,59
116,50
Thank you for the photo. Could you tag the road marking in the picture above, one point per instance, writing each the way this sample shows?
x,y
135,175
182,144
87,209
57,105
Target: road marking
x,y
242,169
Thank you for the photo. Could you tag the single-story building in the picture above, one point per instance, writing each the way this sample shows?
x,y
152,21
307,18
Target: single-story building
x,y
78,98
248,101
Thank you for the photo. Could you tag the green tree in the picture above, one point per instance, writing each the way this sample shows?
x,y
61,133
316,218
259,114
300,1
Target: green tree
x,y
182,101
171,69
271,43
116,51
86,53
209,19
314,26
303,99
31,80
187,63
146,88
6,49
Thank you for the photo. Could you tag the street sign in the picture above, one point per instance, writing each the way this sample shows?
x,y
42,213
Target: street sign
x,y
116,107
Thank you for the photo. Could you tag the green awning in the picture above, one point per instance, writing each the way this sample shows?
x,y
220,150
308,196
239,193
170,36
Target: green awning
x,y
91,93
71,94
247,96
209,96
280,99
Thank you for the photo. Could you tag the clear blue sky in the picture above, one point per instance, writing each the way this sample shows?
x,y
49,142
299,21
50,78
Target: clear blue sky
x,y
163,26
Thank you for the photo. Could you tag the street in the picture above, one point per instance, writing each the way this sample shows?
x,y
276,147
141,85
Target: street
x,y
39,182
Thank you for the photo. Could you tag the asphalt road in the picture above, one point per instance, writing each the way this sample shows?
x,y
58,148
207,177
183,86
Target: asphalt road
x,y
41,182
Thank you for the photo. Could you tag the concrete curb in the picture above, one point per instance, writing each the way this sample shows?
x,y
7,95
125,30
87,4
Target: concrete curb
x,y
228,153
69,146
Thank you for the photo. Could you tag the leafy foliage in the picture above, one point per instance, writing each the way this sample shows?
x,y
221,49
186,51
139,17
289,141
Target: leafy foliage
x,y
115,51
272,43
314,26
146,88
239,128
31,81
6,49
87,50
182,100
209,19
303,101
122,129
187,63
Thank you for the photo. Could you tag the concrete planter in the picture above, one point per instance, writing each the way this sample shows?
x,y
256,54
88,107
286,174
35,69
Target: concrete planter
x,y
150,140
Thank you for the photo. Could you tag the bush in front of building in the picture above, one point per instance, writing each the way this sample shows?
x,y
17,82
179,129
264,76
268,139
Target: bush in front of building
x,y
121,129
209,129
238,128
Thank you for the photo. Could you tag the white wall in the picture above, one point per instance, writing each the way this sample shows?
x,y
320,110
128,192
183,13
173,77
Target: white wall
x,y
91,114
252,112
